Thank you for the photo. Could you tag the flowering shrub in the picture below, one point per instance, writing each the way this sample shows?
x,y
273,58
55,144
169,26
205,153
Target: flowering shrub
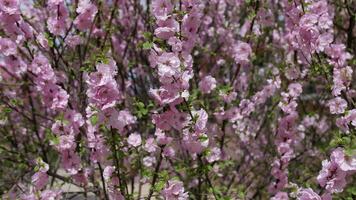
x,y
178,99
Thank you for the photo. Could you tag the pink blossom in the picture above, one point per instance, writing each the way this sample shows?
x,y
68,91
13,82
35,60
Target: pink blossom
x,y
351,116
28,197
164,96
87,12
43,69
134,139
7,47
14,65
332,177
53,3
324,40
149,161
166,29
169,152
246,107
104,96
280,196
195,142
70,161
150,145
345,162
108,171
39,179
121,119
190,26
337,105
10,6
162,9
207,84
308,194
54,96
295,89
174,190
308,20
319,7
162,139
341,80
342,124
73,41
201,121
82,176
214,155
175,43
325,21
338,54
51,195
168,66
66,142
75,119
56,27
242,52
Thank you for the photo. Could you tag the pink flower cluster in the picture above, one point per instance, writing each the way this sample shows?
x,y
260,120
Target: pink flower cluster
x,y
177,99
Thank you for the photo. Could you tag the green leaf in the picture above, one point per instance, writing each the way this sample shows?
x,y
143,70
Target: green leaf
x,y
147,45
54,140
225,88
160,185
203,138
147,35
350,152
7,110
94,119
352,190
141,110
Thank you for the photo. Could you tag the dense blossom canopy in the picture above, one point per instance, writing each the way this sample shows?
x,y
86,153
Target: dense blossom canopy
x,y
178,99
